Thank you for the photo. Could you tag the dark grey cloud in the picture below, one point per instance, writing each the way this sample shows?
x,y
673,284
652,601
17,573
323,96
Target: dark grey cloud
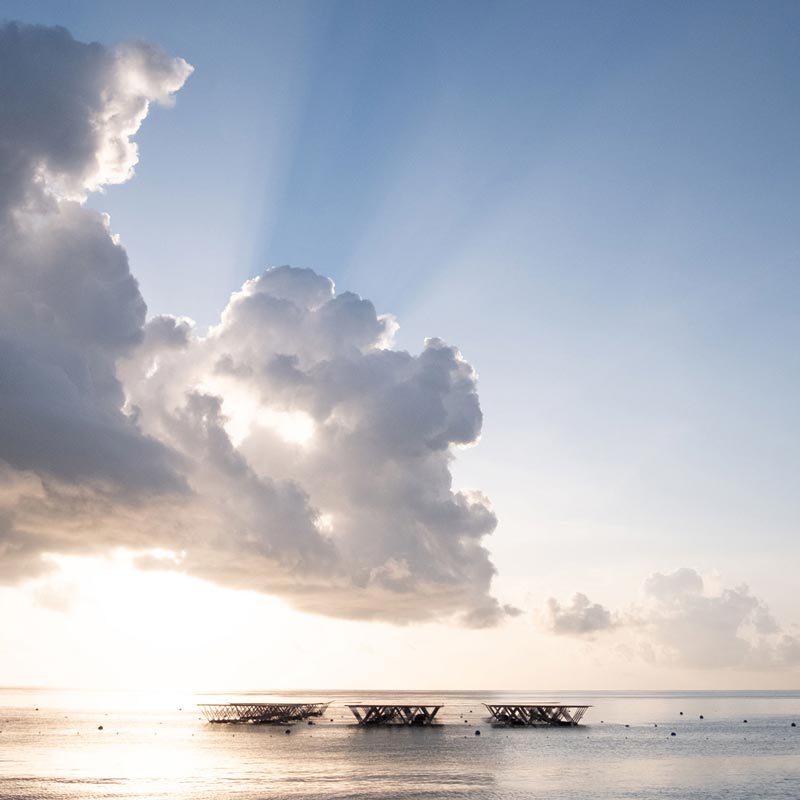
x,y
69,306
69,110
54,421
288,450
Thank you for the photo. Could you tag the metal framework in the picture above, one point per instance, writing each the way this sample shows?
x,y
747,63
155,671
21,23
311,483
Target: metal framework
x,y
261,712
536,714
400,714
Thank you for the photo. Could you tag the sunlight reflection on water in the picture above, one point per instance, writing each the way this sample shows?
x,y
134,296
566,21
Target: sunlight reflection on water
x,y
159,746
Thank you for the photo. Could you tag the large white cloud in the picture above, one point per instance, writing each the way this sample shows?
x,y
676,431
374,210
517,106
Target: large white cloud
x,y
288,450
295,402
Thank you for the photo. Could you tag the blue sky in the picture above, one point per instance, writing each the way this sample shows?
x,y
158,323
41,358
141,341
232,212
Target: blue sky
x,y
596,202
660,125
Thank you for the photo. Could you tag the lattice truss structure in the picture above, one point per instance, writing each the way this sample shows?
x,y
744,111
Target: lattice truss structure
x,y
261,712
529,714
394,714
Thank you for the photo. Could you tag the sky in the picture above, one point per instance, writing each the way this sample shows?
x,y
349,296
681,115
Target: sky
x,y
521,414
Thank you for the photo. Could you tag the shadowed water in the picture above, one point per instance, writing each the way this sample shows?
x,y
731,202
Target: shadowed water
x,y
158,746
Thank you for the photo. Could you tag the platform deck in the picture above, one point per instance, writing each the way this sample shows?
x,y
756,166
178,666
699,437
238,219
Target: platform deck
x,y
369,714
536,713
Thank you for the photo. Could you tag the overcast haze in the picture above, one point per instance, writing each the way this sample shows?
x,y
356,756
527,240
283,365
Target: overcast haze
x,y
456,329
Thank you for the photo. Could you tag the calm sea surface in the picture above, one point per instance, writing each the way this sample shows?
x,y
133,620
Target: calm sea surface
x,y
158,746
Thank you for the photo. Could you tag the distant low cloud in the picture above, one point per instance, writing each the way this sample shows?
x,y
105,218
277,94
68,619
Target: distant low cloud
x,y
290,449
687,624
580,618
679,620
56,595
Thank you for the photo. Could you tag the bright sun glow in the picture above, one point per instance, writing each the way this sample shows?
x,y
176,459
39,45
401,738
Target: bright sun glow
x,y
244,413
292,426
117,626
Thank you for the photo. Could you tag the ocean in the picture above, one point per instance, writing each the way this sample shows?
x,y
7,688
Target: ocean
x,y
159,746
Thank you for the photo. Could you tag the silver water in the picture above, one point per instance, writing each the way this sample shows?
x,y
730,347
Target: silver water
x,y
158,746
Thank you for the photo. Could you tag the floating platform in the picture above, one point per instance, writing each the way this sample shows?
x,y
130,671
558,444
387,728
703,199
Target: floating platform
x,y
536,714
261,713
368,714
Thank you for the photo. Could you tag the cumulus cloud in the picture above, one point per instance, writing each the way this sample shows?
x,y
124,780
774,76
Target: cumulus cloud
x,y
680,620
69,110
325,451
581,617
69,306
290,449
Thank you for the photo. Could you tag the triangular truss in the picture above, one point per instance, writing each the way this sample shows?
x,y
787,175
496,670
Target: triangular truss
x,y
367,714
538,714
261,712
